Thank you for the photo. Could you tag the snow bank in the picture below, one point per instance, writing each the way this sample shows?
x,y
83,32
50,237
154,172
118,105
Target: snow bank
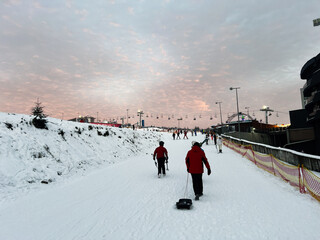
x,y
30,156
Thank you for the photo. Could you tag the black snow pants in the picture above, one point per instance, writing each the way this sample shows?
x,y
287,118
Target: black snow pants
x,y
161,165
197,183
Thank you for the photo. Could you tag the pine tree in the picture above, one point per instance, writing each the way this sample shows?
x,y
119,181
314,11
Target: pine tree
x,y
39,120
38,110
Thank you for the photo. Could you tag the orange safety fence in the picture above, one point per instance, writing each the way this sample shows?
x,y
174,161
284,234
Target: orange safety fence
x,y
264,161
311,183
296,176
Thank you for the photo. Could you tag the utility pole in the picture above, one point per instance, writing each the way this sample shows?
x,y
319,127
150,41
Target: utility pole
x,y
247,110
220,111
179,119
127,117
140,113
236,88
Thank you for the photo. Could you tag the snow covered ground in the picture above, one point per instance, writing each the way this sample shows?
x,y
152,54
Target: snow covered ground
x,y
115,193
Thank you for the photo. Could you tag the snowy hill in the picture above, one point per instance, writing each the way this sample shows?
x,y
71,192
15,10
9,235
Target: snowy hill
x,y
29,156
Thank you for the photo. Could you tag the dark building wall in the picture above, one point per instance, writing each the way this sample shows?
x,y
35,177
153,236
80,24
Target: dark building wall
x,y
298,119
311,91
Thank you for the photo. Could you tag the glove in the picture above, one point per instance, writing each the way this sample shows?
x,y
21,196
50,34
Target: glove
x,y
187,169
209,171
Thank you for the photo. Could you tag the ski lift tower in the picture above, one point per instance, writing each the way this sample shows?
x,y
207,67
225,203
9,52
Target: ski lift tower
x,y
266,109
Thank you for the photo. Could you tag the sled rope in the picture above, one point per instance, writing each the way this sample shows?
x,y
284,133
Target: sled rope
x,y
185,192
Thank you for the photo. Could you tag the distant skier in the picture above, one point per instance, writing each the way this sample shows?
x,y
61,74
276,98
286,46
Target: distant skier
x,y
207,138
185,134
194,161
174,135
219,143
215,139
161,154
178,134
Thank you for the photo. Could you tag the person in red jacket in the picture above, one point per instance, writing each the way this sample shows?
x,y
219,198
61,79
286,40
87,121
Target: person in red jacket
x,y
194,161
161,154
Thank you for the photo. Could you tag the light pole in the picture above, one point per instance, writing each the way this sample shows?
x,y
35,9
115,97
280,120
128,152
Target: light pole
x,y
247,111
236,88
140,113
127,117
220,111
179,119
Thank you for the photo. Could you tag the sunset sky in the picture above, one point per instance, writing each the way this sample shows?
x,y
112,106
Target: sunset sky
x,y
167,58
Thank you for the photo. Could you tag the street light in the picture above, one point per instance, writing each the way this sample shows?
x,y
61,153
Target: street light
x,y
236,88
220,111
127,117
140,113
179,119
247,111
266,109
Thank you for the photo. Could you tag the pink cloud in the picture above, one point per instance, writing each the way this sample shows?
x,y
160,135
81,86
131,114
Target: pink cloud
x,y
114,24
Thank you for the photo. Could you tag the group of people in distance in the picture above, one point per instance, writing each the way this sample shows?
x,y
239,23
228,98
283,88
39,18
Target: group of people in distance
x,y
177,134
195,160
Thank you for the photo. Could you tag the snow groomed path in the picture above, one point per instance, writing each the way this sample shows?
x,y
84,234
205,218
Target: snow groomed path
x,y
128,201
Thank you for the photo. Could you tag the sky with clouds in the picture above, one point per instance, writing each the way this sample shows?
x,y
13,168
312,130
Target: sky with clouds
x,y
171,59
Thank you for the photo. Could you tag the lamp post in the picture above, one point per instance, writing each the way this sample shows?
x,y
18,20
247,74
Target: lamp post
x,y
236,88
220,111
127,117
247,111
140,113
179,119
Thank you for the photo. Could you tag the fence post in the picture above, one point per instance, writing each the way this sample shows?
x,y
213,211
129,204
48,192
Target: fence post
x,y
301,179
272,158
254,157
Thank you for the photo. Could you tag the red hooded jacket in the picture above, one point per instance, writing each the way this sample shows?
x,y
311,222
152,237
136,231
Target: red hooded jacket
x,y
195,159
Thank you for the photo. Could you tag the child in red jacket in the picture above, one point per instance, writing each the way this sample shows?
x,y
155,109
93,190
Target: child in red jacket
x,y
161,154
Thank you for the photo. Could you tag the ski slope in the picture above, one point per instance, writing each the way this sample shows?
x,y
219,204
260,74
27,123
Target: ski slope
x,y
128,201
